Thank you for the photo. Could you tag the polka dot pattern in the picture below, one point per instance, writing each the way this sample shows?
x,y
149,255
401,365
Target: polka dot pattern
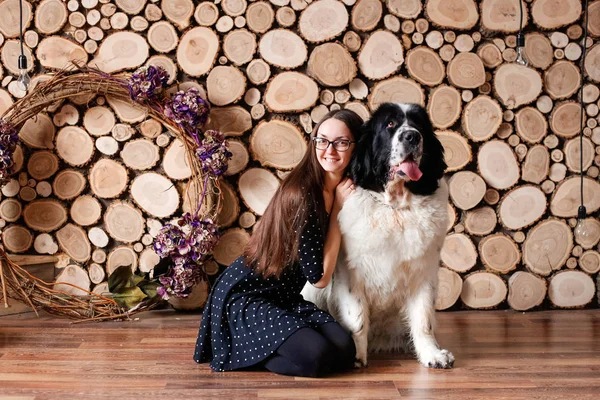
x,y
247,317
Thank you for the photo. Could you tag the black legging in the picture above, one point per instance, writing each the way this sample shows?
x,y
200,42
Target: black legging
x,y
314,352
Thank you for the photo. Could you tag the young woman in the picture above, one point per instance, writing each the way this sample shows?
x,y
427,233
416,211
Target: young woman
x,y
255,315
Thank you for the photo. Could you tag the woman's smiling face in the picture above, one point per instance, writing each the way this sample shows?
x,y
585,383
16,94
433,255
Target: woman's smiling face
x,y
330,159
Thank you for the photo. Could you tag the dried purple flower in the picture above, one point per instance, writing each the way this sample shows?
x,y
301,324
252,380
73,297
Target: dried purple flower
x,y
188,110
187,243
213,153
169,240
147,82
179,281
9,137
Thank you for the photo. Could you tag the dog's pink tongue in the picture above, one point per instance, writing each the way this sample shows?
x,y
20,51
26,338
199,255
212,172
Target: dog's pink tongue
x,y
411,169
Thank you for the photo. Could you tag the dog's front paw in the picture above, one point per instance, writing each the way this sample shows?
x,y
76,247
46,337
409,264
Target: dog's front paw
x,y
440,358
360,362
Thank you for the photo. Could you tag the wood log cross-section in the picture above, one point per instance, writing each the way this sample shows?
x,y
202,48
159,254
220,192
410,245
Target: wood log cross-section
x,y
547,246
291,92
283,48
108,178
260,16
525,291
444,106
175,162
44,215
457,150
499,253
459,15
551,14
481,118
537,164
539,50
232,121
239,46
459,253
225,85
466,71
466,189
257,186
230,246
331,65
517,85
178,11
99,121
124,222
531,125
73,240
522,207
449,288
140,154
562,80
498,164
566,198
50,16
45,244
155,194
366,14
120,51
197,51
381,55
396,90
86,210
483,290
571,289
277,144
74,146
17,238
42,165
38,132
503,15
163,37
481,221
120,256
425,66
240,158
323,20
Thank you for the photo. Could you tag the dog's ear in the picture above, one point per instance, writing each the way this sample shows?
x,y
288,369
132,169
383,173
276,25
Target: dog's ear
x,y
360,162
432,164
364,167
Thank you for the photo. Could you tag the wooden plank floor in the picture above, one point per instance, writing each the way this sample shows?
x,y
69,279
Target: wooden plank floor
x,y
499,355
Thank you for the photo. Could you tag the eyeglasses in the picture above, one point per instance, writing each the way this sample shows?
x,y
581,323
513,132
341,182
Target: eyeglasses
x,y
339,144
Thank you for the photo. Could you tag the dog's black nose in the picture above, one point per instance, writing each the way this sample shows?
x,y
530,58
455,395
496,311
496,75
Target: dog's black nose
x,y
412,137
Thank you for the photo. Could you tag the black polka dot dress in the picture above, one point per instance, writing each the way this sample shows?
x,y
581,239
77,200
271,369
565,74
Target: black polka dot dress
x,y
247,317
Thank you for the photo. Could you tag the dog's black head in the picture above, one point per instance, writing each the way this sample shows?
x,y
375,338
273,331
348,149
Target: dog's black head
x,y
398,142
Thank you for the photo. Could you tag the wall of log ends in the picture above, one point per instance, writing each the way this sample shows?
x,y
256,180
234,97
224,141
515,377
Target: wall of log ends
x,y
96,179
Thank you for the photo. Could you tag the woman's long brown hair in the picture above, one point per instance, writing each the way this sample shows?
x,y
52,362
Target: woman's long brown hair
x,y
274,243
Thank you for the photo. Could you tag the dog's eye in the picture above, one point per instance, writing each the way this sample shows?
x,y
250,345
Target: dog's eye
x,y
391,124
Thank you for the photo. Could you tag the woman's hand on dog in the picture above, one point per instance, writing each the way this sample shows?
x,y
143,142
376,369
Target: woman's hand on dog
x,y
342,191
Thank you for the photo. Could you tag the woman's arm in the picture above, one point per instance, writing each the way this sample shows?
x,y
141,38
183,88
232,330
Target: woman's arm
x,y
334,235
332,248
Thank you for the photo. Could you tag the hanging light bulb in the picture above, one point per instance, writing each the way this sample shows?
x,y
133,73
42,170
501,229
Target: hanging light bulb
x,y
23,80
582,230
521,58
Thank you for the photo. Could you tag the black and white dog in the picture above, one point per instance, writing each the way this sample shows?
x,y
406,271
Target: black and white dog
x,y
393,228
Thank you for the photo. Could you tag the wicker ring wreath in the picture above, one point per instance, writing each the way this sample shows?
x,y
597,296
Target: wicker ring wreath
x,y
183,245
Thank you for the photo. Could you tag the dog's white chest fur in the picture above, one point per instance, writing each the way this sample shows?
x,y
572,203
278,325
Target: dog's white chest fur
x,y
383,238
